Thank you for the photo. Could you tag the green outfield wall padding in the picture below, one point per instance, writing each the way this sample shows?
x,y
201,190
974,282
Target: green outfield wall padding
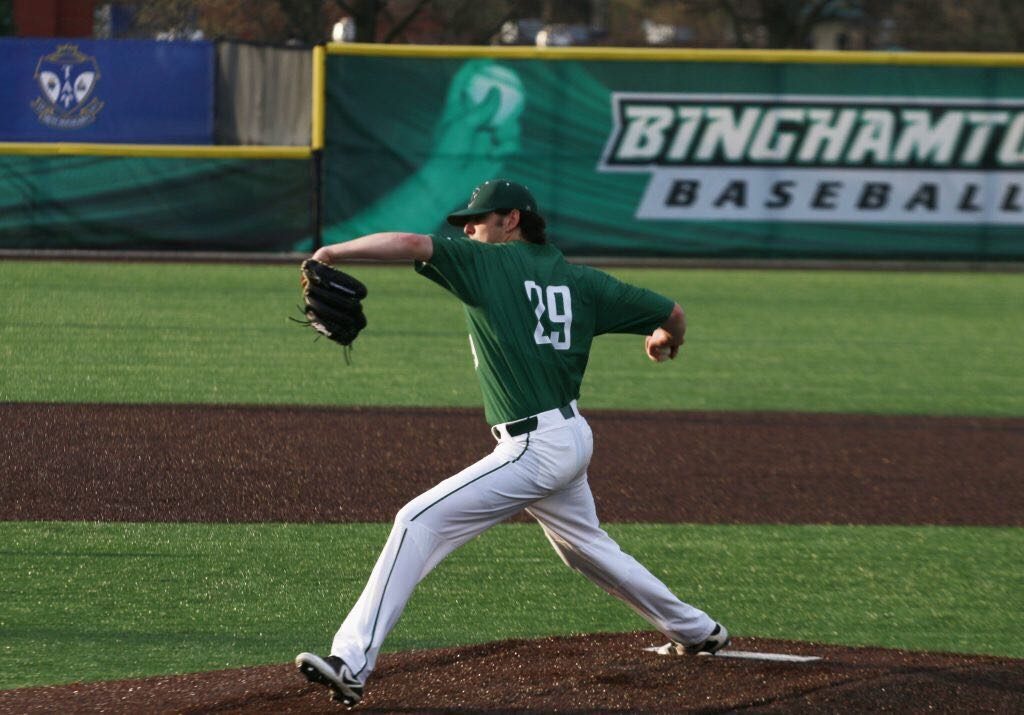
x,y
155,203
687,158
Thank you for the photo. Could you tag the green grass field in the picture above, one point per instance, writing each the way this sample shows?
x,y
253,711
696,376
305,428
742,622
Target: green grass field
x,y
912,343
94,601
83,601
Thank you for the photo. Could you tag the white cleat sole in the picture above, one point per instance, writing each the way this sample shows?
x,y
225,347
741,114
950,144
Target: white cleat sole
x,y
746,654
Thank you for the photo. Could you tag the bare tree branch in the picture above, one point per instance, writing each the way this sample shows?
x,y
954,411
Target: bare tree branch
x,y
737,23
400,26
344,6
1013,22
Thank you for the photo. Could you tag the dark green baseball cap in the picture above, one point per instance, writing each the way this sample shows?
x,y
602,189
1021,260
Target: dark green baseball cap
x,y
495,195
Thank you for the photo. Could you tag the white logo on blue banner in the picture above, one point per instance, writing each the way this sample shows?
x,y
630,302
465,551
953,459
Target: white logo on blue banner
x,y
67,82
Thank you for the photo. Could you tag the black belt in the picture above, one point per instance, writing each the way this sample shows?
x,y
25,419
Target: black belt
x,y
529,424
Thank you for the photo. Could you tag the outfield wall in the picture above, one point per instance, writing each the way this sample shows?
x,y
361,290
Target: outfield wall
x,y
146,145
682,153
142,202
688,153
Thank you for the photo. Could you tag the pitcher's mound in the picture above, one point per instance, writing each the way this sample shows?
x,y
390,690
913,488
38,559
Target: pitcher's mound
x,y
593,673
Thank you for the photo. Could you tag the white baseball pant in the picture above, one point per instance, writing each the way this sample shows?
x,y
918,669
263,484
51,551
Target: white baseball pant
x,y
543,471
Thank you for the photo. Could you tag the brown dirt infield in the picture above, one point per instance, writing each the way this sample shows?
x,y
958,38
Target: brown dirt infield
x,y
191,463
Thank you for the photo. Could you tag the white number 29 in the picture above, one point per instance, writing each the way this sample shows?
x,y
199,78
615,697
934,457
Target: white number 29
x,y
556,302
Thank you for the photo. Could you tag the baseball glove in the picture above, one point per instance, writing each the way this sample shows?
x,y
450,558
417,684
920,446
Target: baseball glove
x,y
332,303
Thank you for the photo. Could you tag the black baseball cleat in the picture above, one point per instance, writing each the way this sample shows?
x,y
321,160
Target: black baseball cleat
x,y
334,673
718,639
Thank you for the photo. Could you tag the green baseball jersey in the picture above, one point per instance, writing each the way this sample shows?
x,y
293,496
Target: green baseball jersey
x,y
532,317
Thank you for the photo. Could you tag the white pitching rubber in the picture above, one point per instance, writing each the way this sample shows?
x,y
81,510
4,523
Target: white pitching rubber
x,y
750,655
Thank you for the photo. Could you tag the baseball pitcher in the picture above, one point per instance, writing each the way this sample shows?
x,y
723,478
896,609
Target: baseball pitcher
x,y
532,318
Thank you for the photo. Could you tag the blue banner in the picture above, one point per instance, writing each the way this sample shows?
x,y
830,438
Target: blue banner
x,y
125,91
